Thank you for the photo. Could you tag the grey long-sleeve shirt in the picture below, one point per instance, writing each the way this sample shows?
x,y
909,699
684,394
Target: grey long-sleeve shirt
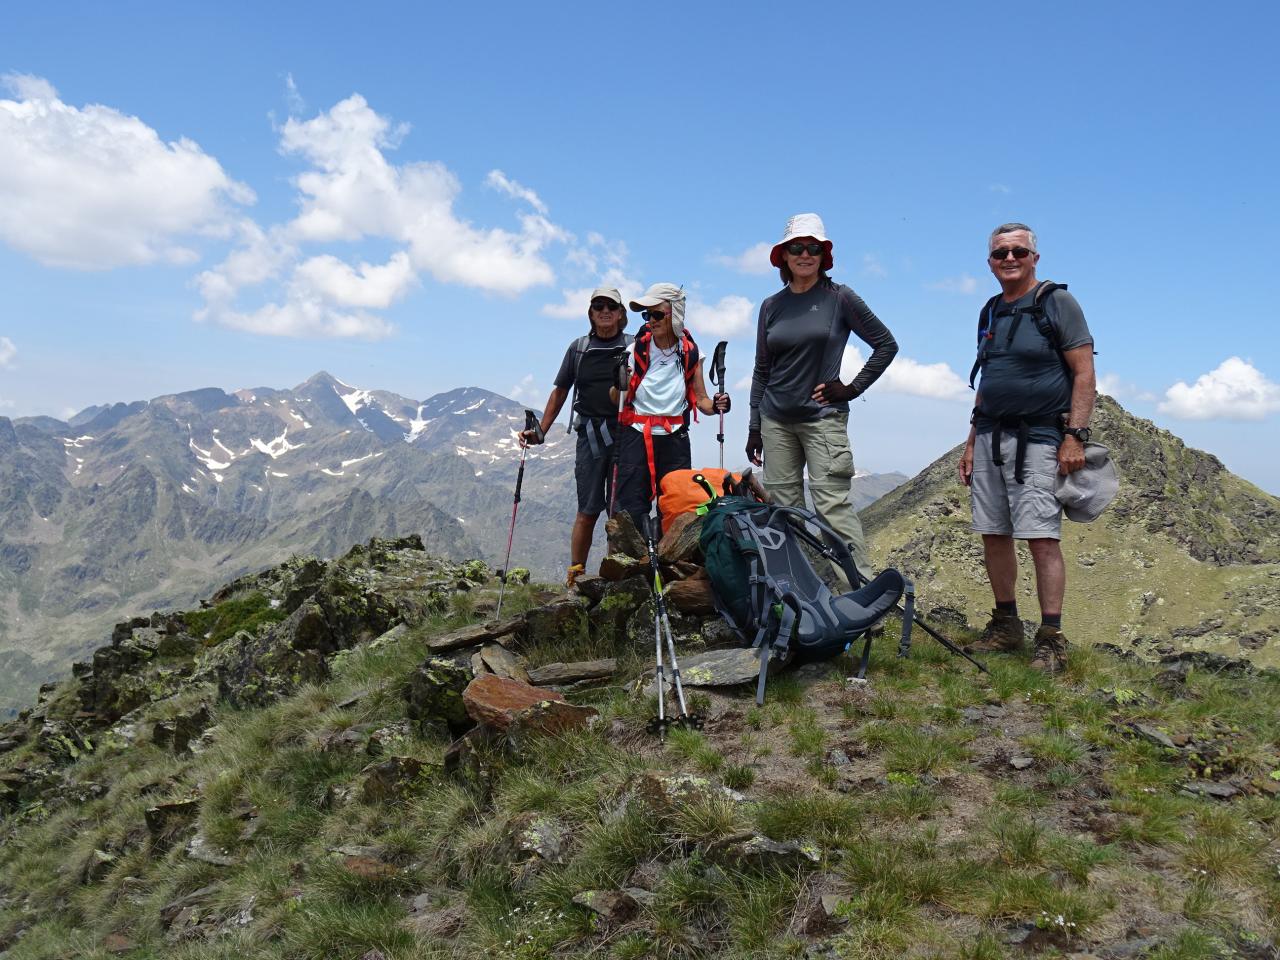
x,y
800,341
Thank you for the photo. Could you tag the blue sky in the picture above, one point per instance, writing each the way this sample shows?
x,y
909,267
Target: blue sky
x,y
415,197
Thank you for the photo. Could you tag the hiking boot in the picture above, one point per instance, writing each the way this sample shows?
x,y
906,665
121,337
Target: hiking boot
x,y
1051,651
575,571
1002,634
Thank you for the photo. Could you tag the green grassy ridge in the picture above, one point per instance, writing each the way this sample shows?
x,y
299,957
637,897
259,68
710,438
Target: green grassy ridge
x,y
936,857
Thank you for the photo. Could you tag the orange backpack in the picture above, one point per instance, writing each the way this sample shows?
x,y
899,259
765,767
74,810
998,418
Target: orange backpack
x,y
680,493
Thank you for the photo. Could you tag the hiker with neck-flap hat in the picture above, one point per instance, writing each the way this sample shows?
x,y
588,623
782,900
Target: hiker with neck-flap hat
x,y
589,368
799,406
667,387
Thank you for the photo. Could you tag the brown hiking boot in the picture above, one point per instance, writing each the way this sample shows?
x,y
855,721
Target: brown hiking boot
x,y
1002,634
1051,651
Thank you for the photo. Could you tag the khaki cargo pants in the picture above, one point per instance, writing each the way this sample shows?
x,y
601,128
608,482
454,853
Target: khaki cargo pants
x,y
821,447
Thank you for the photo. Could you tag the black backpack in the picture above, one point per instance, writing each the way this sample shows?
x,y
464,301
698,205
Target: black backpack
x,y
1036,312
767,590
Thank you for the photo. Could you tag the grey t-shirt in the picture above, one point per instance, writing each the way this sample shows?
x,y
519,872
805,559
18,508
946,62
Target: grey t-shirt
x,y
595,375
1024,377
800,341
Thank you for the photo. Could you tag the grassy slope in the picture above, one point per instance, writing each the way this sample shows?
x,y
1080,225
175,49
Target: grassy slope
x,y
923,528
934,847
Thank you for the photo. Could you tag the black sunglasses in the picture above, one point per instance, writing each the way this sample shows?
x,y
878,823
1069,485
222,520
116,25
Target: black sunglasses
x,y
1019,253
605,305
653,316
795,248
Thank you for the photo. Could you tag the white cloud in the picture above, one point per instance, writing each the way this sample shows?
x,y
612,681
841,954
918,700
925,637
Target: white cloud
x,y
1000,188
754,260
292,97
525,390
300,316
731,316
1112,385
599,258
872,266
7,351
364,286
1236,390
352,192
93,188
744,383
936,381
500,181
963,284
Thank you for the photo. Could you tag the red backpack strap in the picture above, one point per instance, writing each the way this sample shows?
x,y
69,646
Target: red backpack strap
x,y
689,356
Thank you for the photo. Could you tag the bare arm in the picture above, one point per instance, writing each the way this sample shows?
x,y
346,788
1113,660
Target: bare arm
x,y
1084,390
552,410
966,458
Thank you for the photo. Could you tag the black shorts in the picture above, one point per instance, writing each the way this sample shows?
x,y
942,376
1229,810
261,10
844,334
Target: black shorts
x,y
670,452
593,475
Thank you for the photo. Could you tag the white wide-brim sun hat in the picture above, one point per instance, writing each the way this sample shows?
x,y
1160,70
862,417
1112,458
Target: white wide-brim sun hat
x,y
801,227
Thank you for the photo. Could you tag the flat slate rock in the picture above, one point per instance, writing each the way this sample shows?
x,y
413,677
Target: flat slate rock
x,y
556,673
502,662
474,635
720,668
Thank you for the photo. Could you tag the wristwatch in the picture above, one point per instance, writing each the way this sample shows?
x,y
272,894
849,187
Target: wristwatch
x,y
1080,433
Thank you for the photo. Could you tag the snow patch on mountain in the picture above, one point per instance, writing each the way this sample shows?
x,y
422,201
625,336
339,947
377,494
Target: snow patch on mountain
x,y
277,447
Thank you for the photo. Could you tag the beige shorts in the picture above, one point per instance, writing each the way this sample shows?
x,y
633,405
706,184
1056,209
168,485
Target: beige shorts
x,y
1001,505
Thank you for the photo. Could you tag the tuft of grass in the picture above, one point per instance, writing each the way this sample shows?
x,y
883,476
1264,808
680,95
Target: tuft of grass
x,y
921,752
223,621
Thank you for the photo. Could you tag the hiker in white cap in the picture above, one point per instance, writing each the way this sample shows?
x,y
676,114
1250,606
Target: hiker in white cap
x,y
588,368
666,387
799,406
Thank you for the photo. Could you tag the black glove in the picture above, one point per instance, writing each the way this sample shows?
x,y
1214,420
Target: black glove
x,y
716,400
835,392
755,447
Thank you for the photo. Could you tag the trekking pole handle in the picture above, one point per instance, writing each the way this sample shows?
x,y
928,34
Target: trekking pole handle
x,y
531,423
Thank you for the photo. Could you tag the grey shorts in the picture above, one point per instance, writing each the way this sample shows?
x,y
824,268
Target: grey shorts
x,y
1026,511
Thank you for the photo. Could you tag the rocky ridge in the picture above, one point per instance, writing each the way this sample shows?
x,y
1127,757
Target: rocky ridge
x,y
353,758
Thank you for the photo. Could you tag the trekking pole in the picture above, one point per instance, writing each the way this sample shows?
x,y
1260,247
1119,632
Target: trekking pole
x,y
958,651
530,423
661,625
717,372
621,381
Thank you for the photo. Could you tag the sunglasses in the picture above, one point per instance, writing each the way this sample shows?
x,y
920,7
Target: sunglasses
x,y
1019,253
603,305
795,248
654,316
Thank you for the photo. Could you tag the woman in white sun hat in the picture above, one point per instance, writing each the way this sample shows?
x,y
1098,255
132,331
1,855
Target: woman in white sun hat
x,y
799,406
667,385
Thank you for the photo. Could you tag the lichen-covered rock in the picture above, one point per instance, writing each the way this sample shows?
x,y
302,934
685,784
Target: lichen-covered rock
x,y
501,662
758,852
623,538
560,673
720,668
255,669
476,571
61,742
392,779
557,621
433,695
177,732
539,835
612,906
620,566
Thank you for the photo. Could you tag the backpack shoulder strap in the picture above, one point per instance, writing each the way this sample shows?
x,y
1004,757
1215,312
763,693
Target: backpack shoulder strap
x,y
984,332
579,348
